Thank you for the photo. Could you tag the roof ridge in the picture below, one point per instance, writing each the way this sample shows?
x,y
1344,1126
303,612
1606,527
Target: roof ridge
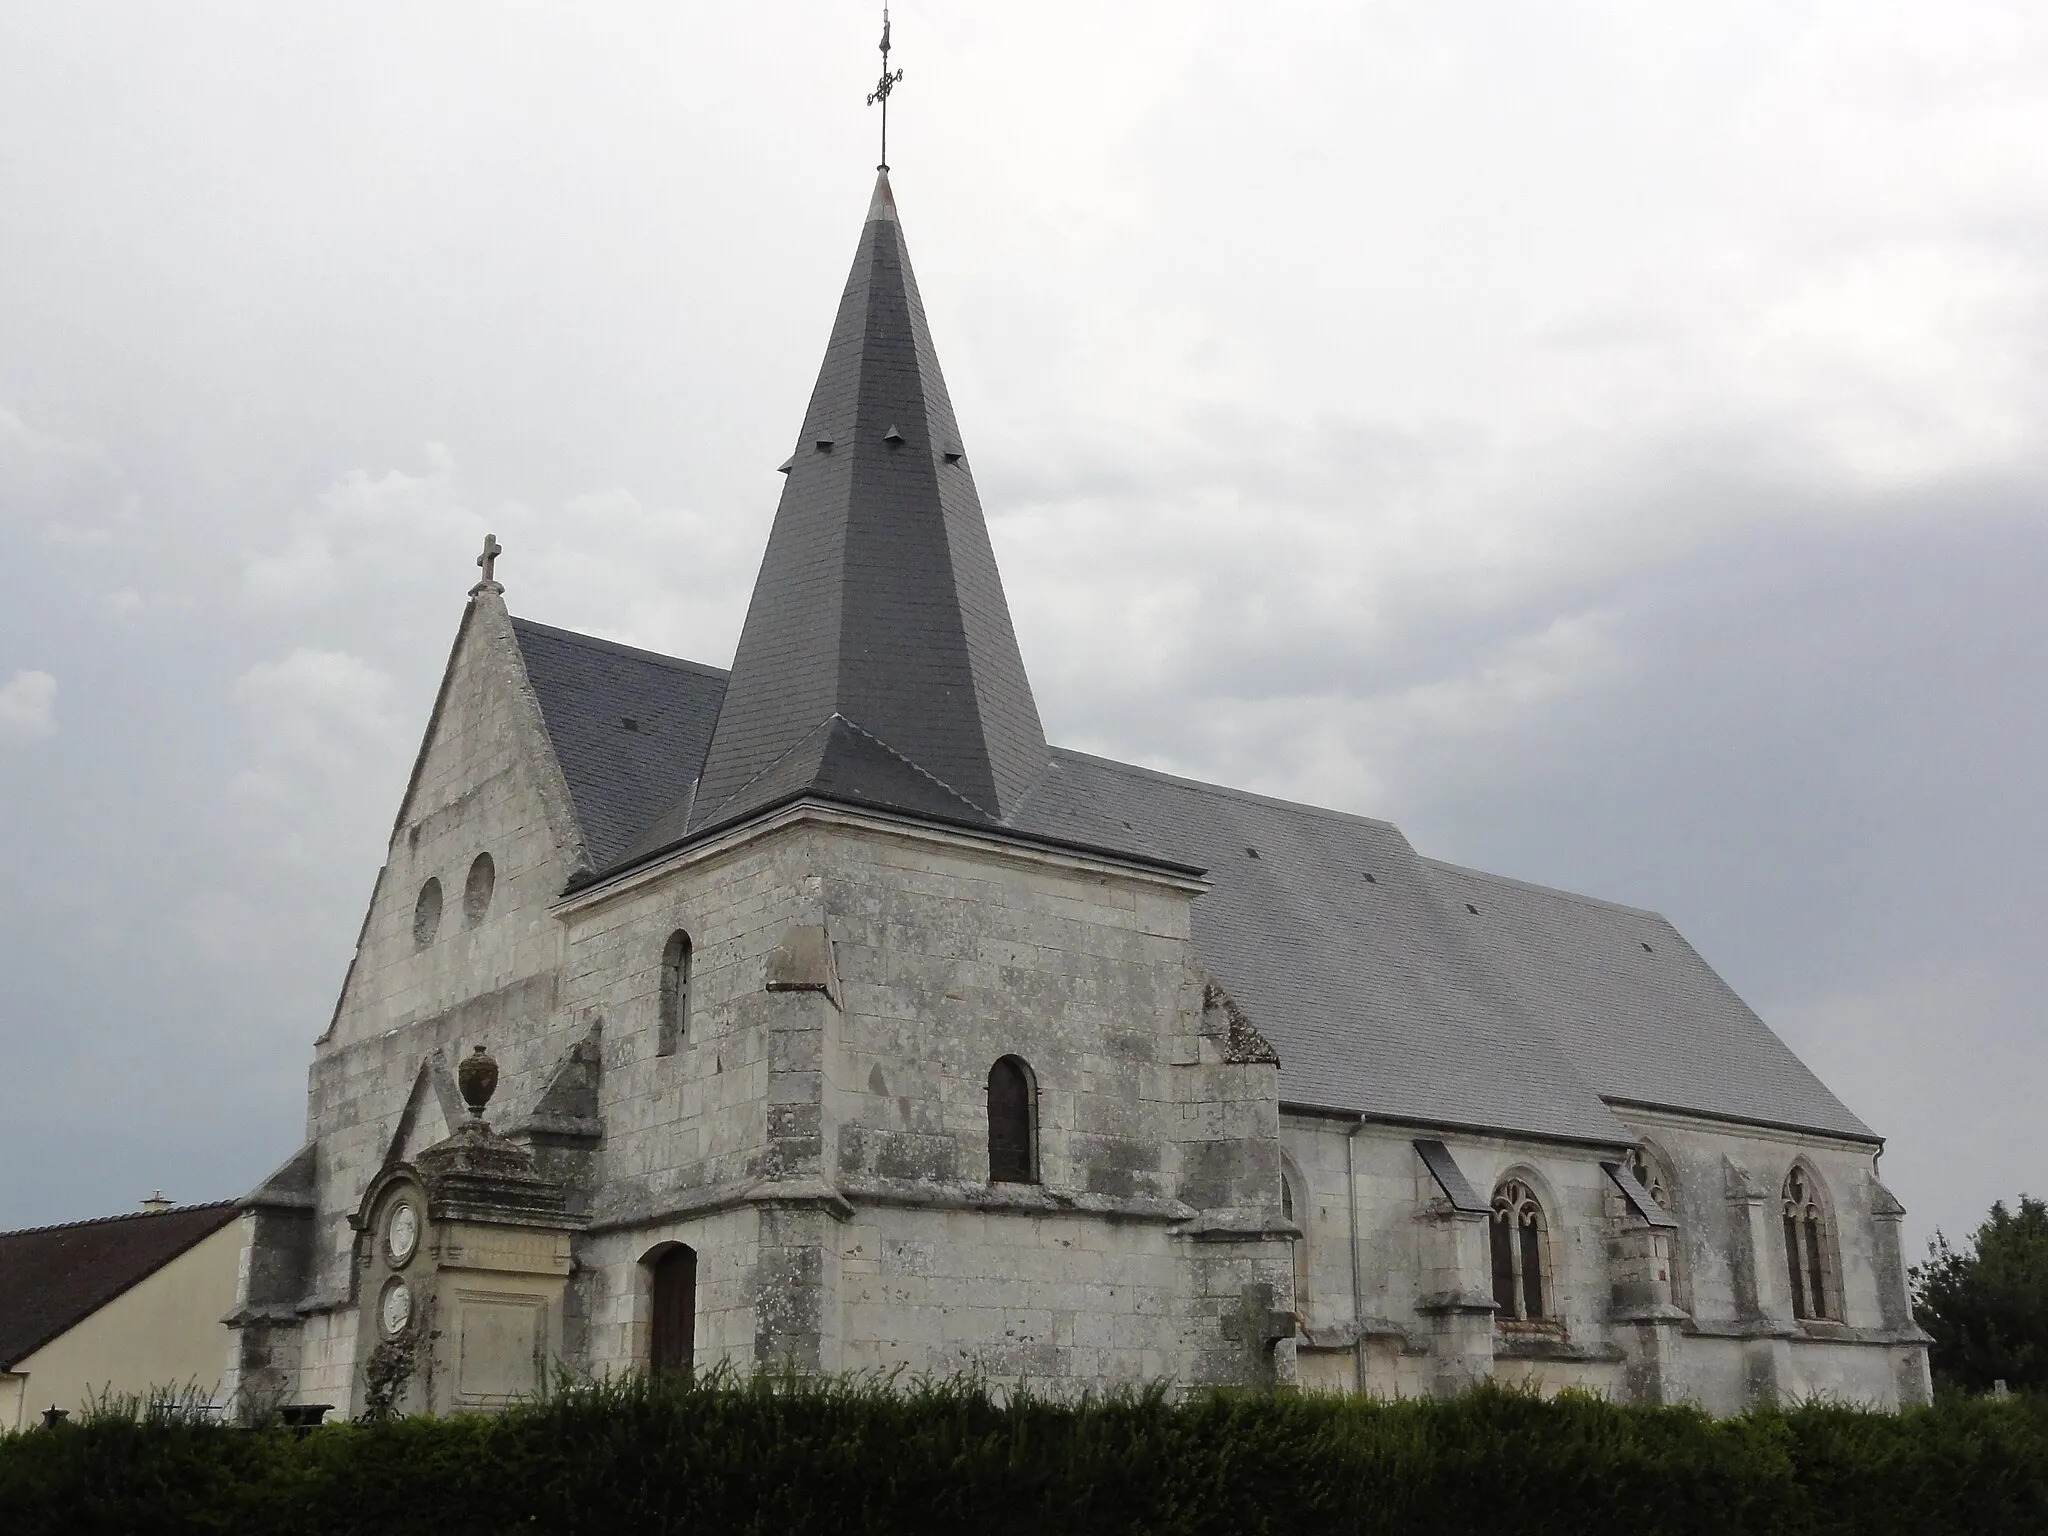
x,y
599,643
916,766
105,1221
697,784
1550,890
1231,791
1038,781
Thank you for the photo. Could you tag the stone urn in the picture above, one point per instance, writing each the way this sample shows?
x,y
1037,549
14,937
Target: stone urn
x,y
477,1076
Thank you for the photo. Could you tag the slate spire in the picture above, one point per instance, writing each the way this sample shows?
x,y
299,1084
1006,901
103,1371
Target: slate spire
x,y
877,663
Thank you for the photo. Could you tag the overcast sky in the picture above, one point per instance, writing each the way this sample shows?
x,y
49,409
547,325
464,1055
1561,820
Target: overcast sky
x,y
1604,439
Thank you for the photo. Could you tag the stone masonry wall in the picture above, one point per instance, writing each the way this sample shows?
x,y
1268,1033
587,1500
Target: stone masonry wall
x,y
484,785
1741,1343
854,1105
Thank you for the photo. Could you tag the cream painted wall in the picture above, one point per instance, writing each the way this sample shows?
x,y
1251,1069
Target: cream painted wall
x,y
164,1332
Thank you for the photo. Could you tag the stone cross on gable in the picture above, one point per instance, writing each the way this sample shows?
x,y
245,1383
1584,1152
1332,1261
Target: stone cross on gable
x,y
1256,1325
487,562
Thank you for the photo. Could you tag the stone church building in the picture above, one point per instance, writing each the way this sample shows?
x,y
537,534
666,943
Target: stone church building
x,y
820,1013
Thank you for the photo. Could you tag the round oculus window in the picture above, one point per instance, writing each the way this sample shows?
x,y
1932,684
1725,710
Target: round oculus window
x,y
394,1310
402,1233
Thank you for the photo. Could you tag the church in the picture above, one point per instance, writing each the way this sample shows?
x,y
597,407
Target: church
x,y
819,1015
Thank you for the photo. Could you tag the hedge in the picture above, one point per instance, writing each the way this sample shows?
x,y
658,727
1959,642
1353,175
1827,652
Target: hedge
x,y
786,1457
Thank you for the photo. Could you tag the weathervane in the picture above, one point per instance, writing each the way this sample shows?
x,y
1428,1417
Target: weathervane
x,y
882,89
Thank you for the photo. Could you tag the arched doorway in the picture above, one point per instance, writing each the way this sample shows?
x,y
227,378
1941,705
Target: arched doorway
x,y
673,1347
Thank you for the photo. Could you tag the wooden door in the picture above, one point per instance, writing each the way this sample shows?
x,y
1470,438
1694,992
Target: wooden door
x,y
675,1312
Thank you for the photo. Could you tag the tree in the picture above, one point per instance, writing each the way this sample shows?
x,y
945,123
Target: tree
x,y
1987,1305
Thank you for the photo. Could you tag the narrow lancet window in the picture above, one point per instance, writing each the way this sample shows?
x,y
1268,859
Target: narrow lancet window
x,y
426,914
1295,1210
675,994
1517,1243
1805,1245
1012,1123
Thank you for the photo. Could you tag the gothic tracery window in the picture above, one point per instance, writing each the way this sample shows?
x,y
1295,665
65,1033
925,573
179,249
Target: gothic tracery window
x,y
1655,1175
1517,1230
1650,1174
675,994
1012,1123
1806,1244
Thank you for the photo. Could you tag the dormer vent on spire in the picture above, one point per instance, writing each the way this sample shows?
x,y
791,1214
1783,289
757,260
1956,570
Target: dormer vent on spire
x,y
877,664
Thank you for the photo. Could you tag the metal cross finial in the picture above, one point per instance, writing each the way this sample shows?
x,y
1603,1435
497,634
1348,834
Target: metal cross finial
x,y
487,562
882,89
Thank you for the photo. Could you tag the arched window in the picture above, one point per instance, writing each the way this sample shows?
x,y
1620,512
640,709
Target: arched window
x,y
672,1346
675,994
1012,1123
1294,1208
1806,1244
1654,1174
476,890
426,914
1517,1238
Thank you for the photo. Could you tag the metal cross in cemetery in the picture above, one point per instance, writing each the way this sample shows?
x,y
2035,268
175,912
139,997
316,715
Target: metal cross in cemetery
x,y
1257,1325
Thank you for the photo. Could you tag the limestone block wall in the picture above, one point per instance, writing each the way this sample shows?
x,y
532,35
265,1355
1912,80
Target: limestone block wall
x,y
484,972
1742,1342
1062,1301
1730,1250
613,1290
327,1359
692,1126
1400,1251
950,957
824,1145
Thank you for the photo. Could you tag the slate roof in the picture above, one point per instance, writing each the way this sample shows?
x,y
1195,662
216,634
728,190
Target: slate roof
x,y
1644,1018
54,1278
878,600
621,776
1377,999
1385,997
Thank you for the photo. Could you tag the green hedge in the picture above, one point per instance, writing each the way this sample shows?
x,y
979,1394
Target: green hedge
x,y
788,1457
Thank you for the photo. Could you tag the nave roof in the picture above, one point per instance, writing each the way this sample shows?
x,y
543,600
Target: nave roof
x,y
1429,993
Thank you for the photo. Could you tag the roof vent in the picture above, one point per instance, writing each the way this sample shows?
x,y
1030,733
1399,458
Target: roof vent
x,y
1369,879
892,436
786,465
1472,909
1647,950
823,445
1251,853
953,454
629,723
158,1202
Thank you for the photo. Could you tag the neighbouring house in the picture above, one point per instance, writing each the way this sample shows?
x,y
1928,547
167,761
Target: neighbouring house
x,y
124,1304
